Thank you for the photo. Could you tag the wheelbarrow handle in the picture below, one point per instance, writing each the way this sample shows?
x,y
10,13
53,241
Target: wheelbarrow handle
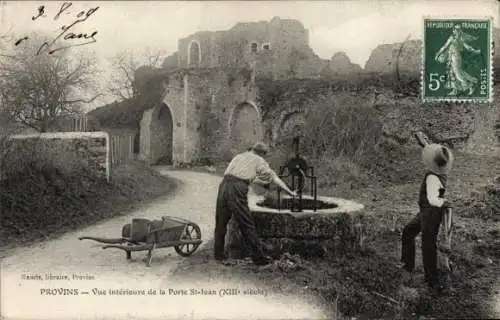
x,y
140,247
104,240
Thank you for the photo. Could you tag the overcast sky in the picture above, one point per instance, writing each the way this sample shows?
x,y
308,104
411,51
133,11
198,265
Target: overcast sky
x,y
355,27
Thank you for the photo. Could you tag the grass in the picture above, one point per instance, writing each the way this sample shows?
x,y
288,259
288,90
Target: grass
x,y
43,196
352,161
367,284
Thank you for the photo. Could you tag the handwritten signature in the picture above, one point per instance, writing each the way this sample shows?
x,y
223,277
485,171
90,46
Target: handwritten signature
x,y
65,34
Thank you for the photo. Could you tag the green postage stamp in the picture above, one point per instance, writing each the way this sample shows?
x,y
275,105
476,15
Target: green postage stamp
x,y
457,60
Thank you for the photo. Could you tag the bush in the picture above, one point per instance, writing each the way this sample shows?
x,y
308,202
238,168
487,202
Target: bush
x,y
339,133
393,163
339,171
41,155
341,125
343,139
48,188
278,156
483,203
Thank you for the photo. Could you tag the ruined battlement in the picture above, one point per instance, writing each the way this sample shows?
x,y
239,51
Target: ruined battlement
x,y
266,46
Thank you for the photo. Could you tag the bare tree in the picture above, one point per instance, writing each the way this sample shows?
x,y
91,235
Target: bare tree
x,y
124,65
6,119
400,51
37,89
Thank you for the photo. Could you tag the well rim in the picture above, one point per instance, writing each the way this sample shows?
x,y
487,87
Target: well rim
x,y
343,206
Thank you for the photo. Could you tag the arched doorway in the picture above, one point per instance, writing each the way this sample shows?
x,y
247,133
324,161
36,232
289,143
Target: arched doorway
x,y
194,54
245,126
137,143
292,126
162,135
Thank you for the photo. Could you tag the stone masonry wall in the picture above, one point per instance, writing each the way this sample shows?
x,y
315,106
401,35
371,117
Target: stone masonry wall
x,y
463,126
276,41
190,93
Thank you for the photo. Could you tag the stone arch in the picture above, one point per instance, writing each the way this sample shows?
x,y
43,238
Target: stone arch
x,y
245,125
289,124
161,135
194,54
292,125
137,143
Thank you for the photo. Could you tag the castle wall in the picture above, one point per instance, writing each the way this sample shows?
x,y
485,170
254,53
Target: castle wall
x,y
275,43
192,93
174,98
144,136
245,127
161,135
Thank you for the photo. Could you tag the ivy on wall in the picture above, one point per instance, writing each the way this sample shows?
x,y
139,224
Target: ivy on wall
x,y
235,73
272,93
300,91
148,93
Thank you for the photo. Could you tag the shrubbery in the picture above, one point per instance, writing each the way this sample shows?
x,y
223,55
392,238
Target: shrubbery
x,y
47,188
344,127
41,155
483,203
343,140
339,134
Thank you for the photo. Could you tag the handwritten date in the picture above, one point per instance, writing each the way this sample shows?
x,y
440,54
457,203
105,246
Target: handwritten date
x,y
65,33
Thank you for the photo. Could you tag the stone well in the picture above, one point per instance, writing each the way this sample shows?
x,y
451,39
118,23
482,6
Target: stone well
x,y
308,224
336,224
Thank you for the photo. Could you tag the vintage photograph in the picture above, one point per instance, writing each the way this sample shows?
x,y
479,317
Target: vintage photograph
x,y
250,159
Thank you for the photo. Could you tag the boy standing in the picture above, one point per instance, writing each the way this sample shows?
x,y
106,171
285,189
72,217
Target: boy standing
x,y
438,162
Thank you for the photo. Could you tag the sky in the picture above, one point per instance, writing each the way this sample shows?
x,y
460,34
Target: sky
x,y
355,27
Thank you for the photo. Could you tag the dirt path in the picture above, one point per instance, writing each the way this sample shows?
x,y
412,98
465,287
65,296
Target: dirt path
x,y
68,256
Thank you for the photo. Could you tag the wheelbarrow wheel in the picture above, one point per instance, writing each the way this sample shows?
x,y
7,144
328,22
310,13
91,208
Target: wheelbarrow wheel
x,y
191,232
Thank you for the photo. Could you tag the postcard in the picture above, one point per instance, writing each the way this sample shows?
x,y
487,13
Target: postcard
x,y
249,159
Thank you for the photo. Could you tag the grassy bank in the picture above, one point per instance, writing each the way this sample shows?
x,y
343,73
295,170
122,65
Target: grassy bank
x,y
353,160
367,283
42,196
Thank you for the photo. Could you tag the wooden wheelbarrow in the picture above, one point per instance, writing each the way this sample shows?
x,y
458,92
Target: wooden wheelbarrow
x,y
148,235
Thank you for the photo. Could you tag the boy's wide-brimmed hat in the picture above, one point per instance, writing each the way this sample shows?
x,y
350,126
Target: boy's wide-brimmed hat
x,y
437,158
261,148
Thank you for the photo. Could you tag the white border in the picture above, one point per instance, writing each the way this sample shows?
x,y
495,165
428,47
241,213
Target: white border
x,y
422,66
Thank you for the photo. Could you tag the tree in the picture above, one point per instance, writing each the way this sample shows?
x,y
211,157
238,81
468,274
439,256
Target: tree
x,y
124,66
6,119
37,89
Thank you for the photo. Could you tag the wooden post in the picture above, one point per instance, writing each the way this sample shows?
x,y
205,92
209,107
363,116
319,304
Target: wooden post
x,y
421,139
445,240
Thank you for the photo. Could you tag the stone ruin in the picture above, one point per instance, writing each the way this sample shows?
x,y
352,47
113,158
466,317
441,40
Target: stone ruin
x,y
309,225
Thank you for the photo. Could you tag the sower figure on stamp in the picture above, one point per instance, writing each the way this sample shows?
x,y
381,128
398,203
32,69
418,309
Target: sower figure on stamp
x,y
451,53
244,168
438,161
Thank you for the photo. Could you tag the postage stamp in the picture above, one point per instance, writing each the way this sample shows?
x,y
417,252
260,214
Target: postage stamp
x,y
457,60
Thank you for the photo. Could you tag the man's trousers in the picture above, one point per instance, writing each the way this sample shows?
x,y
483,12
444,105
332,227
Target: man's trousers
x,y
426,221
232,200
